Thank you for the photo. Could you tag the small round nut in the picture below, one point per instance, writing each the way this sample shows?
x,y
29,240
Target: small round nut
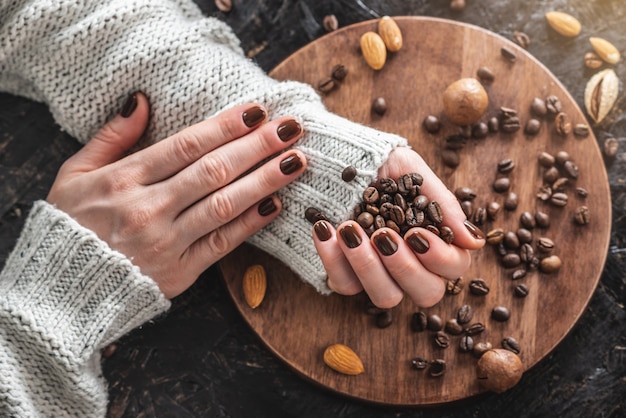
x,y
498,370
465,101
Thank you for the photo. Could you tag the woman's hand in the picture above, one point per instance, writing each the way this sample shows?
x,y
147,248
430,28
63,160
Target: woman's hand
x,y
385,265
180,205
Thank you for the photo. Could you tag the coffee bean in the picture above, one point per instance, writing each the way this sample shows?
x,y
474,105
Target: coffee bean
x,y
524,236
550,264
581,130
533,126
447,235
417,179
434,323
562,124
479,216
414,217
348,174
542,219
474,329
467,207
339,72
419,321
313,215
405,184
379,222
508,54
501,249
511,201
545,159
432,124
560,184
511,260
481,348
379,106
538,107
570,169
433,211
365,219
521,290
550,175
582,192
450,158
385,210
533,265
581,216
485,74
326,85
521,39
493,124
495,236
493,209
480,130
464,314
372,309
419,363
506,166
519,274
545,193
510,124
510,240
545,245
465,193
370,195
561,157
466,344
527,220
397,215
420,202
501,184
392,225
453,327
442,340
478,287
457,5
385,198
500,313
384,319
330,23
553,105
454,287
373,209
437,368
526,253
388,185
559,199
511,344
465,131
433,229
455,142
610,147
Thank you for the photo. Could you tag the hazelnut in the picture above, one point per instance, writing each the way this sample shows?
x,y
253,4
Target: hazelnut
x,y
465,101
499,370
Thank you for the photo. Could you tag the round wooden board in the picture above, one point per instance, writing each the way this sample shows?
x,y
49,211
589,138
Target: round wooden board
x,y
297,324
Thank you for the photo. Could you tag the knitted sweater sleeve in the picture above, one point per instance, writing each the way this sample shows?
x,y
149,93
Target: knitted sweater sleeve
x,y
83,58
64,295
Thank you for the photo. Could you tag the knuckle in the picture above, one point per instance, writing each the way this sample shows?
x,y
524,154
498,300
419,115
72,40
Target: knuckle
x,y
138,219
221,207
119,181
218,243
215,170
187,146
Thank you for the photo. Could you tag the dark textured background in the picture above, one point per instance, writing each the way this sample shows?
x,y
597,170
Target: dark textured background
x,y
202,360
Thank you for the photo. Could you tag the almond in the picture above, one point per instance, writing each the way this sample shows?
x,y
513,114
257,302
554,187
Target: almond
x,y
254,285
605,50
563,23
389,30
343,359
374,50
601,93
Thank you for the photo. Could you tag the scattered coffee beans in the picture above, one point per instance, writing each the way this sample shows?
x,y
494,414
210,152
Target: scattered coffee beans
x,y
500,313
511,344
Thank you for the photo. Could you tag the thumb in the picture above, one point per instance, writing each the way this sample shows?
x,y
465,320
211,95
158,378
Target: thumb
x,y
115,138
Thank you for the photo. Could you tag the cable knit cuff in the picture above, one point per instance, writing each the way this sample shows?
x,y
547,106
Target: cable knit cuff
x,y
331,143
68,286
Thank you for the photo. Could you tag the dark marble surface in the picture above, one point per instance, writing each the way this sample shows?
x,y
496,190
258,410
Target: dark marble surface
x,y
203,360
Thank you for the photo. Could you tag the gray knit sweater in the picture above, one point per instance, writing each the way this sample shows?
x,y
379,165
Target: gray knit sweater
x,y
64,294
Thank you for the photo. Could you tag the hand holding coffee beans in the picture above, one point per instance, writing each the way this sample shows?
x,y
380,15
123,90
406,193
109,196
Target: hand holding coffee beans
x,y
406,223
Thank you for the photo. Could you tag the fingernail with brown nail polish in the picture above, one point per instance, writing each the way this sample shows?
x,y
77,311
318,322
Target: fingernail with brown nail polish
x,y
350,236
288,130
291,164
417,241
253,116
129,106
322,230
267,207
474,230
385,243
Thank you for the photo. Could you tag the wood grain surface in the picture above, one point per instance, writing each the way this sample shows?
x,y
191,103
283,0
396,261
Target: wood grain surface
x,y
297,324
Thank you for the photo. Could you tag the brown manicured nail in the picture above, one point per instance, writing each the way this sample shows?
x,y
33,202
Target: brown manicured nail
x,y
291,164
253,116
267,207
474,230
129,106
288,130
322,230
417,241
385,243
350,236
